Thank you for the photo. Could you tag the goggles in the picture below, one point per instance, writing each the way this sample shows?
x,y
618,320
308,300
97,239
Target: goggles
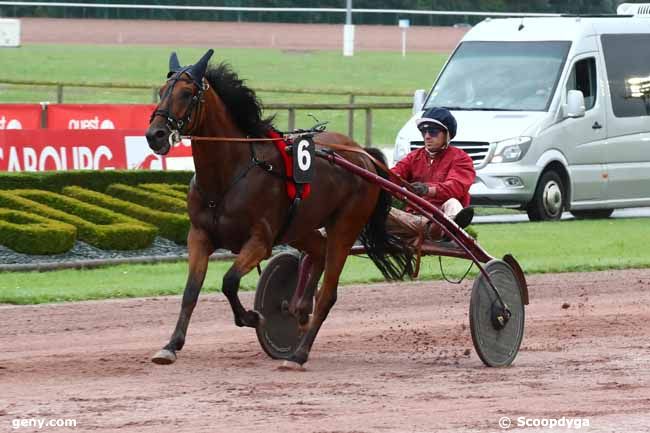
x,y
433,130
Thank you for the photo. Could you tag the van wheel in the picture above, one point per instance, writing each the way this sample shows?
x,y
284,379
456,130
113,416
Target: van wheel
x,y
549,201
592,214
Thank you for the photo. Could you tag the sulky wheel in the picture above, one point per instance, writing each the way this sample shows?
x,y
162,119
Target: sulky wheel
x,y
278,335
496,337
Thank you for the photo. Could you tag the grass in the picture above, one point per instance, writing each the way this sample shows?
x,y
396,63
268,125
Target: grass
x,y
540,247
263,68
567,246
147,65
494,210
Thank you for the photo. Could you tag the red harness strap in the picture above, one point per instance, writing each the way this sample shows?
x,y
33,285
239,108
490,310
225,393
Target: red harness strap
x,y
288,167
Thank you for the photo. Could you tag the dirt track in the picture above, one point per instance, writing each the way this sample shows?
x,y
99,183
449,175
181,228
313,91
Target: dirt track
x,y
236,35
391,358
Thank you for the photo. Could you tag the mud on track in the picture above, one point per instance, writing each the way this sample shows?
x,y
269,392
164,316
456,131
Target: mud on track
x,y
391,358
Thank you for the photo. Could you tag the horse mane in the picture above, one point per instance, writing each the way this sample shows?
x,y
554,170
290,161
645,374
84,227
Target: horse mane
x,y
242,102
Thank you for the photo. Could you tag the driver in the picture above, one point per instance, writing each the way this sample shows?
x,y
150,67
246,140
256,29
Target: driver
x,y
440,174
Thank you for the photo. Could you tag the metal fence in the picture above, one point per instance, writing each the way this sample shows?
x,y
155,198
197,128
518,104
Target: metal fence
x,y
351,107
61,85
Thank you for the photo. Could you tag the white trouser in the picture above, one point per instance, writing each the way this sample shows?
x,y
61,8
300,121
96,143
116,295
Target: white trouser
x,y
451,208
409,227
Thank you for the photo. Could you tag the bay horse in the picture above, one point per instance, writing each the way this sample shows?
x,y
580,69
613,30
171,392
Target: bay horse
x,y
238,200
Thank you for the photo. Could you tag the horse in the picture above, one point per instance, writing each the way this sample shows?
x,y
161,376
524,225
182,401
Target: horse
x,y
238,199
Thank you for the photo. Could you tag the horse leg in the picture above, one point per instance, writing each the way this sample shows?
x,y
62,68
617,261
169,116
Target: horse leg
x,y
199,248
253,251
339,243
314,246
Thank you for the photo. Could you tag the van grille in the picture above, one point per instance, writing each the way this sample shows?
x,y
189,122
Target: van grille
x,y
477,150
633,9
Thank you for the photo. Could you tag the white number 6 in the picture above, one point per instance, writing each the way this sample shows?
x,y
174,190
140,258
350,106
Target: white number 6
x,y
304,158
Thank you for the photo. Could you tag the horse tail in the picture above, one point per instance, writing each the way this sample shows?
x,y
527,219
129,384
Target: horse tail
x,y
388,252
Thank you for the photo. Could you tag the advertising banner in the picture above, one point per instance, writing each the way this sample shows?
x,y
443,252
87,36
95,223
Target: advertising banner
x,y
43,150
140,156
20,116
82,137
98,116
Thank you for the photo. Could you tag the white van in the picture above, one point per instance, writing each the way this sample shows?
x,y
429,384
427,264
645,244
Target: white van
x,y
554,111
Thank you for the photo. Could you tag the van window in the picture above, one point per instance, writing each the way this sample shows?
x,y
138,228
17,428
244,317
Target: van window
x,y
627,58
583,78
507,76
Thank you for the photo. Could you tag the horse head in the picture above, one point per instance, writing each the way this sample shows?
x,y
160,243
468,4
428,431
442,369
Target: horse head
x,y
181,97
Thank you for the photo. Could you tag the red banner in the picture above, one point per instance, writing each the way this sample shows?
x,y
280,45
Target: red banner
x,y
82,137
45,150
98,116
20,116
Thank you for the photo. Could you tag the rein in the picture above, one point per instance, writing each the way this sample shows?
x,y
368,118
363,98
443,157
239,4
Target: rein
x,y
193,137
196,104
335,146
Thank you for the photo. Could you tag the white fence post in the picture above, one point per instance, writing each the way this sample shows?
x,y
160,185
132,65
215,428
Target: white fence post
x,y
348,40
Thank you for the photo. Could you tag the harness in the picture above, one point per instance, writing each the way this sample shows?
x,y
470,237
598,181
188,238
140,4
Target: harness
x,y
215,201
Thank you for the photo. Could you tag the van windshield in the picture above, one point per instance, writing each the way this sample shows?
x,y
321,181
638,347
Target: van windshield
x,y
502,76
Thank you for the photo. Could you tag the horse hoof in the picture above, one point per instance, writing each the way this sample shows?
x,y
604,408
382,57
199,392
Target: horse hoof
x,y
261,321
251,319
291,366
164,357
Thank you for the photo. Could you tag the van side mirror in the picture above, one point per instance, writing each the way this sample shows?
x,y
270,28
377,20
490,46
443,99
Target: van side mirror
x,y
575,104
418,100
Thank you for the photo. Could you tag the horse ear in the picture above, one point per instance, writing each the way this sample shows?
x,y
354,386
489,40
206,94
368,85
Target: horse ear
x,y
174,64
198,70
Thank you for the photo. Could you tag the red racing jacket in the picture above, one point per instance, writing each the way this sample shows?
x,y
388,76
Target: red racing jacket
x,y
451,171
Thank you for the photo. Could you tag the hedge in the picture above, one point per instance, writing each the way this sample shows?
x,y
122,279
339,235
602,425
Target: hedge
x,y
29,233
170,225
96,180
149,199
99,227
176,191
180,187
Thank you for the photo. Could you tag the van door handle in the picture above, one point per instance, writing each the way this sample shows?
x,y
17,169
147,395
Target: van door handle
x,y
596,125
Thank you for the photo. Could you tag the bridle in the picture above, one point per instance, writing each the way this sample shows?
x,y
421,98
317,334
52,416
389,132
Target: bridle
x,y
174,124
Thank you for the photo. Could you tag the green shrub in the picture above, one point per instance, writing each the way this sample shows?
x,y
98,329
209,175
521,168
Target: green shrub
x,y
29,233
146,198
170,225
96,180
99,227
176,191
184,188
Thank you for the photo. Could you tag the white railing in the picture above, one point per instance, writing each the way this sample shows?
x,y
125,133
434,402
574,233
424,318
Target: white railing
x,y
272,9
